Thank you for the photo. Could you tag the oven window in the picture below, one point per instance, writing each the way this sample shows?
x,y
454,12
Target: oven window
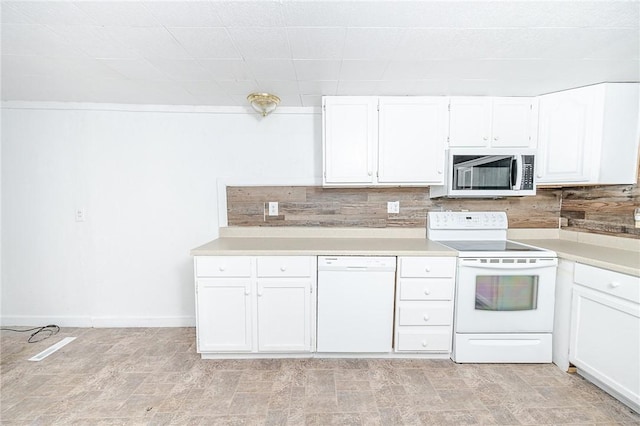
x,y
506,292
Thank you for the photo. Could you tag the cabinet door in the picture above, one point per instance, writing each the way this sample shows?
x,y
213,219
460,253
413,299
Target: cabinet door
x,y
469,121
565,140
224,315
605,340
349,137
284,315
512,123
411,140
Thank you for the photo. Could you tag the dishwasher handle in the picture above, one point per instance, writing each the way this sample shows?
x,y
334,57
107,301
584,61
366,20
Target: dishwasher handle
x,y
357,263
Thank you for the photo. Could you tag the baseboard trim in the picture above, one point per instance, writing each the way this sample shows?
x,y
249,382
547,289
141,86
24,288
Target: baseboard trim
x,y
41,320
116,322
97,322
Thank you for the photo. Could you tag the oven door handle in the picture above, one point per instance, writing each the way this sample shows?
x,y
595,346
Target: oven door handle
x,y
545,263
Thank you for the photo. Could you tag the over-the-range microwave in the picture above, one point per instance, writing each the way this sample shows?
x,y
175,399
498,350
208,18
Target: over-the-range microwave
x,y
486,173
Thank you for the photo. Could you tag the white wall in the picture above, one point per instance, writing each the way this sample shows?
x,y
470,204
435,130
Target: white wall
x,y
147,181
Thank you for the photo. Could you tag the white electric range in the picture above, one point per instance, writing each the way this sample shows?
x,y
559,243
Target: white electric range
x,y
505,291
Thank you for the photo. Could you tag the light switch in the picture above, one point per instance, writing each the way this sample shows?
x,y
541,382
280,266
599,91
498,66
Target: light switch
x,y
393,207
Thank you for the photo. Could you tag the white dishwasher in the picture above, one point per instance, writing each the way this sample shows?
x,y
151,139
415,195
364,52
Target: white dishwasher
x,y
355,303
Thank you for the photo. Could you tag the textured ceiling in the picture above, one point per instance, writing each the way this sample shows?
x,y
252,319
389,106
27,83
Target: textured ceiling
x,y
216,53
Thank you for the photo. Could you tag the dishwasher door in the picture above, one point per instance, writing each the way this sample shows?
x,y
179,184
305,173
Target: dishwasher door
x,y
355,303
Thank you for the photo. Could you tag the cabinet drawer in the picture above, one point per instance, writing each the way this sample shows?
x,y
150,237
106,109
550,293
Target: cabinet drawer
x,y
427,267
284,266
438,340
223,266
610,282
426,289
426,313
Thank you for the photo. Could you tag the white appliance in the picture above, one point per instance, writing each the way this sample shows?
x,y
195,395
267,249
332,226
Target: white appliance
x,y
505,291
487,173
355,303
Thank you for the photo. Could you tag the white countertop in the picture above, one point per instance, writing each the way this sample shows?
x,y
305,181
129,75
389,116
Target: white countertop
x,y
292,246
615,259
616,254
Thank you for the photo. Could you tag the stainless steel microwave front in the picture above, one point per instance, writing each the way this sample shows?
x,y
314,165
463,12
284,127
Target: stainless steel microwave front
x,y
488,174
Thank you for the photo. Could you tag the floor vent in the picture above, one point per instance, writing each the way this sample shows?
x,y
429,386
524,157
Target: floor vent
x,y
51,349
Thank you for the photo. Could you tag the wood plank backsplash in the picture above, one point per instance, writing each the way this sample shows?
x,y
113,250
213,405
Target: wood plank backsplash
x,y
602,209
367,207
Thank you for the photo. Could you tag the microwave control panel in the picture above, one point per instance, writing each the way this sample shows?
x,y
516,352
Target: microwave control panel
x,y
527,173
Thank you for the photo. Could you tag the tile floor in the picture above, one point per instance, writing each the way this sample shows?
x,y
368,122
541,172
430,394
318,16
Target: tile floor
x,y
154,376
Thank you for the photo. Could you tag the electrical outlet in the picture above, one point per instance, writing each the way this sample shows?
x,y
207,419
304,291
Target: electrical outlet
x,y
636,217
393,207
273,208
80,215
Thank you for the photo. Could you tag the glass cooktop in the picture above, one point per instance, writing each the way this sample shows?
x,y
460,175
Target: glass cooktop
x,y
493,246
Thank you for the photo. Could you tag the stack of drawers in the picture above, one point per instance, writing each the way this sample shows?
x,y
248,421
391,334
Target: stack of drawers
x,y
424,304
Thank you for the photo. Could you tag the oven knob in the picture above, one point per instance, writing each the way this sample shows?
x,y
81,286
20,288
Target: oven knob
x,y
283,268
427,269
424,343
427,291
221,268
614,284
426,317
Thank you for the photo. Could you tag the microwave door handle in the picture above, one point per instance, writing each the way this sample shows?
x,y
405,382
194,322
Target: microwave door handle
x,y
516,172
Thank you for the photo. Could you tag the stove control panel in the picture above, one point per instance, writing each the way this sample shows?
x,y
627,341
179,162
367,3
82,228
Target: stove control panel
x,y
468,220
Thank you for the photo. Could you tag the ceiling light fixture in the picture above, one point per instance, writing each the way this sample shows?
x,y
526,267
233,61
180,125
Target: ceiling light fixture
x,y
264,103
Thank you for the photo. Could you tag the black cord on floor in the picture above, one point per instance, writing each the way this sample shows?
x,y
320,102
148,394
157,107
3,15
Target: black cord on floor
x,y
39,334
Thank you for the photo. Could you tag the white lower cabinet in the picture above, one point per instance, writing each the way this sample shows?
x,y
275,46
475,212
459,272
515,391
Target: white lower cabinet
x,y
424,304
224,315
284,315
605,331
248,304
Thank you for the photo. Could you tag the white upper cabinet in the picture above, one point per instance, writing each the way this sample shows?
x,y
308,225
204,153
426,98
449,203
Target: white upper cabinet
x,y
589,135
411,140
401,144
514,123
469,122
350,135
498,122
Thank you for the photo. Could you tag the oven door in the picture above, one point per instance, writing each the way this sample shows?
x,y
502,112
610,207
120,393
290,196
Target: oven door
x,y
505,295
